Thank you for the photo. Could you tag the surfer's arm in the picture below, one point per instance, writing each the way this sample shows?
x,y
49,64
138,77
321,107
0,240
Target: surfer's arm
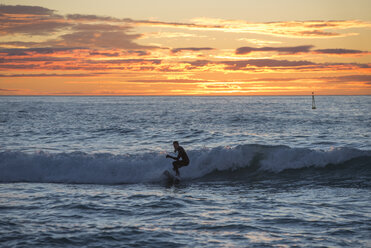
x,y
168,156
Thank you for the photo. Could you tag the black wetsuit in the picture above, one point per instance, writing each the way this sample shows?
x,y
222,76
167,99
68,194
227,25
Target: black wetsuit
x,y
183,155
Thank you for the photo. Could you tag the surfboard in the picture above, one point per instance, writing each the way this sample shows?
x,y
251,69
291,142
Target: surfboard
x,y
171,178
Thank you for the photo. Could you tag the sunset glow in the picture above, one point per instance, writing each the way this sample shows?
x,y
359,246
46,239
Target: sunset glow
x,y
46,51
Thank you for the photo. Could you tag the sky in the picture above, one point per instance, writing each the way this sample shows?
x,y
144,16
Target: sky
x,y
167,47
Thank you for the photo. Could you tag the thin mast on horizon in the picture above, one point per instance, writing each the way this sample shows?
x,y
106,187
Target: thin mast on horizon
x,y
313,101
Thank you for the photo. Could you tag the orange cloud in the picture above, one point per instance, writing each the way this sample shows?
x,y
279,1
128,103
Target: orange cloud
x,y
302,29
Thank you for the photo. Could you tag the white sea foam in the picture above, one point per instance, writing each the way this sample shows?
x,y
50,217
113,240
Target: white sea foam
x,y
107,168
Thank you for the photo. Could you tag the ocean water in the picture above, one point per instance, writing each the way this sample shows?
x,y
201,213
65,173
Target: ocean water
x,y
264,171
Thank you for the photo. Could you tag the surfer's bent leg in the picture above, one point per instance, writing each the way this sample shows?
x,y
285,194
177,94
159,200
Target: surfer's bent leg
x,y
177,165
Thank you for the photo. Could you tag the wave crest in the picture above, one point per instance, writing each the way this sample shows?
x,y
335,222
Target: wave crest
x,y
106,168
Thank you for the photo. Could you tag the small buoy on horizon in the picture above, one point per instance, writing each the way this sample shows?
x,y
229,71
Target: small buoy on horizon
x,y
313,101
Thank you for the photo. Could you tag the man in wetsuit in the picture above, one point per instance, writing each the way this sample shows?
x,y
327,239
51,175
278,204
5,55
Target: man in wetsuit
x,y
181,155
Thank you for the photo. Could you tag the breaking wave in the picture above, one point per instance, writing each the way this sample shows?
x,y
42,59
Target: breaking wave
x,y
106,168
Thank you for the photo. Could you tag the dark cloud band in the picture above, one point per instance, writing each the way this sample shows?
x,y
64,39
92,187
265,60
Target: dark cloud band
x,y
298,49
288,50
176,50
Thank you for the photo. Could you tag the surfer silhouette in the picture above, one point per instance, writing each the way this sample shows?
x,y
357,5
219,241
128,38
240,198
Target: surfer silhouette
x,y
182,158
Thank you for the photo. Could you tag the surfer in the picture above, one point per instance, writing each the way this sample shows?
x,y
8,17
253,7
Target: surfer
x,y
181,155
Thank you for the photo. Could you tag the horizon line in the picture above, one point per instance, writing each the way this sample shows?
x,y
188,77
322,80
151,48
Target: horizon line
x,y
188,95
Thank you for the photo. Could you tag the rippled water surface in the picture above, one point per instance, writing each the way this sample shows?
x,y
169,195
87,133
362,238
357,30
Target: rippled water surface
x,y
264,172
124,125
205,214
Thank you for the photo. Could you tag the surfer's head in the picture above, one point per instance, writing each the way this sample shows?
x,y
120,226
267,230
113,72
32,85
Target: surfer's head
x,y
176,145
